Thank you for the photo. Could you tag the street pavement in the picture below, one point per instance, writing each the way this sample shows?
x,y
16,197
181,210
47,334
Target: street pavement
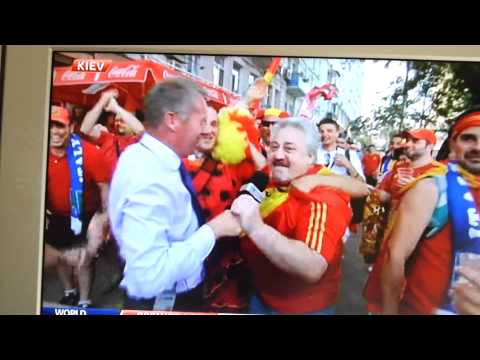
x,y
106,294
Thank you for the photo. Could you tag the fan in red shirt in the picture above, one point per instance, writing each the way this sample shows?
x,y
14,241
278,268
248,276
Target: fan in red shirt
x,y
127,128
294,243
77,250
371,162
412,272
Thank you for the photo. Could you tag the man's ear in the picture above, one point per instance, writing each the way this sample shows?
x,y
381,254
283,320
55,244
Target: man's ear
x,y
171,121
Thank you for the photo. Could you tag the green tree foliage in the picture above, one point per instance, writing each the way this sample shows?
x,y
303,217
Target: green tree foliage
x,y
432,94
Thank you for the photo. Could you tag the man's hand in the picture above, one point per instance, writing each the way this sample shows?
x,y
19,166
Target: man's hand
x,y
466,297
112,105
224,225
247,211
257,91
341,160
400,180
107,96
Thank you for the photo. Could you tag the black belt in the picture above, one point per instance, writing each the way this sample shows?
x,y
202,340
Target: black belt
x,y
188,301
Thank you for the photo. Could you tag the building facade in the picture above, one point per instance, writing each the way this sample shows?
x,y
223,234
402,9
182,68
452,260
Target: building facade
x,y
295,78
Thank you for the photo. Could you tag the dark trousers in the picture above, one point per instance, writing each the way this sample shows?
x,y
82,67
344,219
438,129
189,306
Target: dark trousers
x,y
190,301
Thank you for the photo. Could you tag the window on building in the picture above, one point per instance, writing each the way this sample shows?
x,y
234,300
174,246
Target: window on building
x,y
268,99
251,79
218,70
277,99
192,64
236,77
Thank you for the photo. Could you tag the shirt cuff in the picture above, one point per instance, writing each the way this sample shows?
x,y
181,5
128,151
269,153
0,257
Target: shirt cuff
x,y
206,241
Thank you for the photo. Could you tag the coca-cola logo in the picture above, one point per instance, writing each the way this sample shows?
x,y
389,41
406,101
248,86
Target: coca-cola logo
x,y
73,76
124,72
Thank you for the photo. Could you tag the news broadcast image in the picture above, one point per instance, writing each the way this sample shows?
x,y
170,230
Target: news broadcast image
x,y
222,185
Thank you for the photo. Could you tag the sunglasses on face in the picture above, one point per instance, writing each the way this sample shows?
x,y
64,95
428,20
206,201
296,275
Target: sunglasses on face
x,y
267,123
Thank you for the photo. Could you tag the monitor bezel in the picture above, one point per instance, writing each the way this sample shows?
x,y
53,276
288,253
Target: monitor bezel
x,y
24,136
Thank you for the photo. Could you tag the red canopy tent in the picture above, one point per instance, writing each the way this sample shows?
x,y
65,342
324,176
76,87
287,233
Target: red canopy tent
x,y
133,79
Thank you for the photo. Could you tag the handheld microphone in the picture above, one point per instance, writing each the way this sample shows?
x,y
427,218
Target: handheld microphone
x,y
255,186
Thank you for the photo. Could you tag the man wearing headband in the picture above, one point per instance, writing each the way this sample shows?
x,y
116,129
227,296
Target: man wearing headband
x,y
412,270
463,212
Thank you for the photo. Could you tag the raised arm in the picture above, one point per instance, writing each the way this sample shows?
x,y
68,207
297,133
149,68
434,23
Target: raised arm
x,y
130,119
93,115
257,157
353,187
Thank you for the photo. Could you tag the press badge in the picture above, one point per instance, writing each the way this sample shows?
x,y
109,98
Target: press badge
x,y
166,300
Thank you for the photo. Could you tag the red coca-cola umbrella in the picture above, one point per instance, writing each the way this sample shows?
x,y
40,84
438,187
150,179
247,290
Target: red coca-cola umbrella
x,y
216,96
132,78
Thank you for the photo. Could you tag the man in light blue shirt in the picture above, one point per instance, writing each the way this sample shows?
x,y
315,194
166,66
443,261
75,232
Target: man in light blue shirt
x,y
154,214
332,154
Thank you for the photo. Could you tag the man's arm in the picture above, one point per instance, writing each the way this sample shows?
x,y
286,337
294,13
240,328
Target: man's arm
x,y
130,119
353,171
257,157
104,188
289,255
415,211
153,261
93,115
353,187
356,165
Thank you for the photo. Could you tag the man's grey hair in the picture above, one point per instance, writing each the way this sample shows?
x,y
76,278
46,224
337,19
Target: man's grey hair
x,y
175,95
308,128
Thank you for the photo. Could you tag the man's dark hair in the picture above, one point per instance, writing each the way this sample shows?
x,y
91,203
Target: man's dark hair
x,y
328,120
176,95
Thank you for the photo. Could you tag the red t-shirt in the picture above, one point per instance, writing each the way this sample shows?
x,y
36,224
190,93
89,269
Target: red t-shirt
x,y
319,219
112,145
370,163
58,183
219,185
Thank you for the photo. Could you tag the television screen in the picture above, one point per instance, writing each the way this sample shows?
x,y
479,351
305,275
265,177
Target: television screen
x,y
190,183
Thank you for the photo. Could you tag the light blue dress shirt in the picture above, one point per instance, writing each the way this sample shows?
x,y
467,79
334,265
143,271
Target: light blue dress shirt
x,y
327,158
154,223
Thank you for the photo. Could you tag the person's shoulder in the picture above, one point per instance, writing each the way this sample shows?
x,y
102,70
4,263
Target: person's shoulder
x,y
89,147
424,188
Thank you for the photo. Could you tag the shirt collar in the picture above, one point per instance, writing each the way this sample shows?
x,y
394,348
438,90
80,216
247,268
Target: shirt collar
x,y
169,158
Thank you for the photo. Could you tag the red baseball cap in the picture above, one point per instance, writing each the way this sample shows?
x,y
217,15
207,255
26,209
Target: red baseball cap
x,y
60,114
422,134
